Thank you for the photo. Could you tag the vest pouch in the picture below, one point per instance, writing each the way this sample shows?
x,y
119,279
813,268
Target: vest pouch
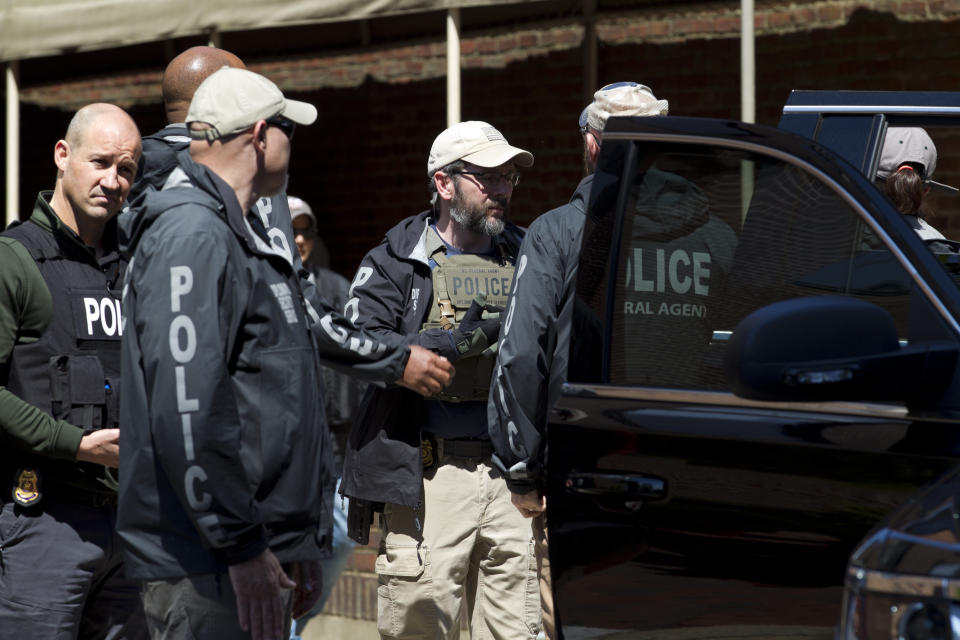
x,y
457,281
77,390
472,382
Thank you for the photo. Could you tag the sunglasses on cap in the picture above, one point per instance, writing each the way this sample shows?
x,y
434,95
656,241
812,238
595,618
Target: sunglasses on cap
x,y
616,85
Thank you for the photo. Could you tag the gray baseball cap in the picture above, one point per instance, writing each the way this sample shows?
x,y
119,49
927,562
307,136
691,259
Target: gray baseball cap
x,y
232,100
299,207
913,145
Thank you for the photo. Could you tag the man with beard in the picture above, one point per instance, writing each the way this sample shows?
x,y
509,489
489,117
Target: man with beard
x,y
450,533
533,355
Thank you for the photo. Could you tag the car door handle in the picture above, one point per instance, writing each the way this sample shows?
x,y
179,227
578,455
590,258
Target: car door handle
x,y
619,485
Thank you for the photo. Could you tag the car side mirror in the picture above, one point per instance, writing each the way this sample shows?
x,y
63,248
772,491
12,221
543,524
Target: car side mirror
x,y
832,348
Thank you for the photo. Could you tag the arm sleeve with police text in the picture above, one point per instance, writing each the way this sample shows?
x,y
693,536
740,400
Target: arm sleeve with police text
x,y
345,347
534,334
25,310
188,312
381,295
340,345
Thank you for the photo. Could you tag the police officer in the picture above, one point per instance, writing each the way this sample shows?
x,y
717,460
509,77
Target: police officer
x,y
451,535
60,273
536,335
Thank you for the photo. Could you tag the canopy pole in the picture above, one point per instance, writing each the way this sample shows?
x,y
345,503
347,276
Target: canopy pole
x,y
589,50
453,67
748,107
747,63
12,69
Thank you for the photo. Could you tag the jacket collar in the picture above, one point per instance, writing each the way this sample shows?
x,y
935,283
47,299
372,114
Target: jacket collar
x,y
44,216
506,244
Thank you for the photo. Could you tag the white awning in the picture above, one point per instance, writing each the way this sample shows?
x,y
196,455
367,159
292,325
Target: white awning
x,y
34,28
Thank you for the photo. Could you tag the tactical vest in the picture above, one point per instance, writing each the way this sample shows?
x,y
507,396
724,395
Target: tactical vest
x,y
73,371
457,281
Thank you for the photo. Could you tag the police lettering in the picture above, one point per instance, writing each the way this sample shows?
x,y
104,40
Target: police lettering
x,y
182,340
679,271
471,286
106,312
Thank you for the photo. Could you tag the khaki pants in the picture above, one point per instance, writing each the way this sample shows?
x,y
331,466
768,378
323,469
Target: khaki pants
x,y
466,545
543,571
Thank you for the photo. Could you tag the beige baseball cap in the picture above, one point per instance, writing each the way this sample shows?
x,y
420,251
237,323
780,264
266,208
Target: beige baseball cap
x,y
621,99
476,142
232,100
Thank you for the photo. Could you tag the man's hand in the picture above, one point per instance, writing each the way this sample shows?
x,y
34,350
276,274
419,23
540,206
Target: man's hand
x,y
529,504
100,447
309,578
426,372
473,319
257,583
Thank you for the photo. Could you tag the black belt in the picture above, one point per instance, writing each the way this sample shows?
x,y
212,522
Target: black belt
x,y
466,448
81,497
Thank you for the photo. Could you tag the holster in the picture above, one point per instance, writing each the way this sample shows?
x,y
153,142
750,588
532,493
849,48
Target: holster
x,y
359,518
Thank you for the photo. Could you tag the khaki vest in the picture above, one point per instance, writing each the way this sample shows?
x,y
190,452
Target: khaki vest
x,y
457,281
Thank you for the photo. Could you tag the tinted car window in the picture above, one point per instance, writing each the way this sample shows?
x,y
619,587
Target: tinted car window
x,y
708,235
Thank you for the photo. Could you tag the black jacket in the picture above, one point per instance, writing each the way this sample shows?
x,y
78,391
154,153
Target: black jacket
x,y
225,447
391,294
535,341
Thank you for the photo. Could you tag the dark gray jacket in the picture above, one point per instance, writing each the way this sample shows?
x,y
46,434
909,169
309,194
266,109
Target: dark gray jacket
x,y
225,447
535,341
544,332
391,294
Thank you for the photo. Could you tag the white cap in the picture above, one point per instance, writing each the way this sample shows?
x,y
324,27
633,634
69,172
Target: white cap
x,y
476,142
298,207
909,144
621,99
232,100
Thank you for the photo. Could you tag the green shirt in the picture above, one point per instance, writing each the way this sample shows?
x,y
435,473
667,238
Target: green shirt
x,y
25,311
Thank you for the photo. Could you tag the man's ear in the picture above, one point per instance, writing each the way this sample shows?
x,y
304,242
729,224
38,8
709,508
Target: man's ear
x,y
444,184
61,151
593,144
260,134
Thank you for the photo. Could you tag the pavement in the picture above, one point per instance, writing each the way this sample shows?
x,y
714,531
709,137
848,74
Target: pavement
x,y
328,627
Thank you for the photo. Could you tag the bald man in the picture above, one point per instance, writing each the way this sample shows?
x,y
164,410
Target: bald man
x,y
180,80
61,574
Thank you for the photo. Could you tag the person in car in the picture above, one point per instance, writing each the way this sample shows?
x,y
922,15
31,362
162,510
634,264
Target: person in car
x,y
907,163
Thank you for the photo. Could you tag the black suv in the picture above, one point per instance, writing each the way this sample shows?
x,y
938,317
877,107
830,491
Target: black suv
x,y
760,433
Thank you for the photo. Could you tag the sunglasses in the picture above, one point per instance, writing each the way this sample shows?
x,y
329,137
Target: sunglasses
x,y
289,127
